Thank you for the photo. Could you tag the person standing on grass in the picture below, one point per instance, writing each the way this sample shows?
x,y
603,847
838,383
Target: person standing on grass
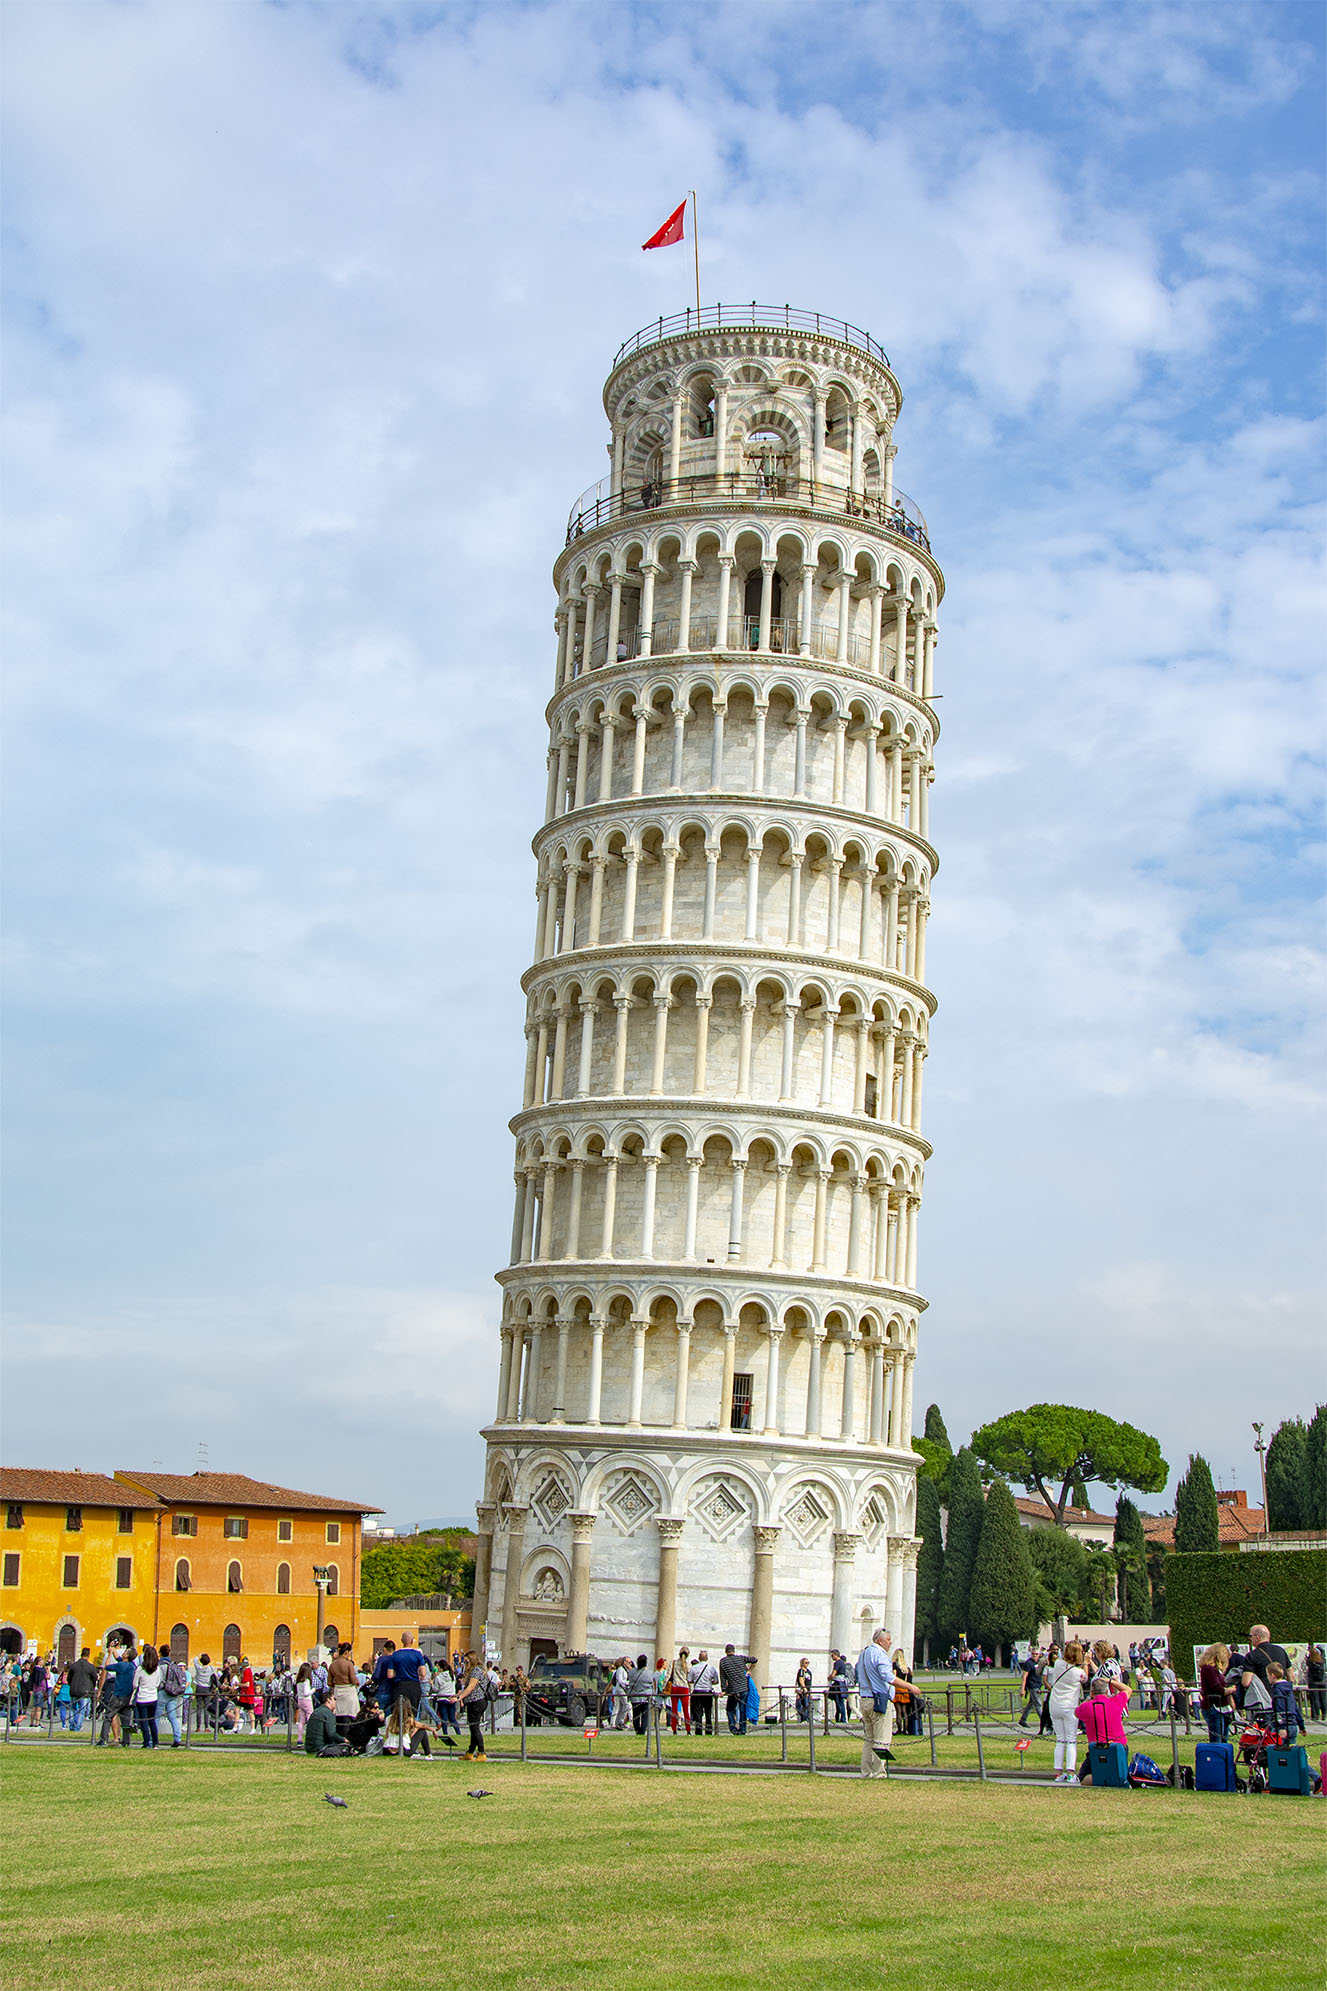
x,y
1065,1683
205,1684
343,1679
117,1696
875,1694
174,1686
618,1704
704,1686
679,1690
840,1684
474,1699
147,1687
802,1691
1045,1725
1262,1654
1315,1683
1216,1696
246,1694
640,1690
82,1686
403,1676
1031,1686
733,1681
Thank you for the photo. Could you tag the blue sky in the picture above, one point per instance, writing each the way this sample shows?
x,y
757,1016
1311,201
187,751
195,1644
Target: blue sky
x,y
309,308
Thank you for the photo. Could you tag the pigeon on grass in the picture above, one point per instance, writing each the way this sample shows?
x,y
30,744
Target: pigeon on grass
x,y
481,1793
339,1802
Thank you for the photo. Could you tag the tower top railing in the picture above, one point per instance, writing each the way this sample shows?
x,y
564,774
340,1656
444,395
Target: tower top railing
x,y
601,505
749,318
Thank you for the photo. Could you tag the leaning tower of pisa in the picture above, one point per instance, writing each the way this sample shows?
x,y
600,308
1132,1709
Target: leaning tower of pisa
x,y
704,1409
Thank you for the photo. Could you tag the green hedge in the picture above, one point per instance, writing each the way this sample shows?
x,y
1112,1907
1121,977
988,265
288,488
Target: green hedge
x,y
1219,1594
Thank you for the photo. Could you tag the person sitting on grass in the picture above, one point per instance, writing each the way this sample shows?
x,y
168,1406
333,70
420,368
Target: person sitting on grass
x,y
320,1736
1101,1717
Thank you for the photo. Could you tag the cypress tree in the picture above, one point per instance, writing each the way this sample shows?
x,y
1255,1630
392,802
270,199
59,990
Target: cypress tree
x,y
1002,1598
930,1559
934,1427
961,1538
1197,1527
1285,1468
1313,1495
1130,1557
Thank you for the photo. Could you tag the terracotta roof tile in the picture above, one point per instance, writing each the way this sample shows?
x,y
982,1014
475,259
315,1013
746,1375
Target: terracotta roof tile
x,y
1234,1524
67,1489
1082,1516
235,1490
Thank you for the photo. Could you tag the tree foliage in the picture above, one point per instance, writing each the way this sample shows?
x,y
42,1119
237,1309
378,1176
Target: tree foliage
x,y
934,1428
1061,1574
414,1569
1002,1601
1130,1553
1313,1499
1197,1523
930,1559
935,1450
1287,1478
1054,1448
961,1538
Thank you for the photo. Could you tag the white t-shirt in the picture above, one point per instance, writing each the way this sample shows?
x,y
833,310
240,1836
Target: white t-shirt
x,y
146,1687
1066,1685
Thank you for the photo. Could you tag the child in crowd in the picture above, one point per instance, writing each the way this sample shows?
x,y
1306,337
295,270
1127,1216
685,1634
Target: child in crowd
x,y
1285,1709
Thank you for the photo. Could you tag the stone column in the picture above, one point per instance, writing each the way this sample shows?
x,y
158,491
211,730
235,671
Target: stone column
x,y
738,1167
848,1420
817,1340
607,726
908,1632
726,564
762,1605
682,1373
578,1601
729,1366
875,1429
640,1327
530,1407
504,1373
514,1381
766,603
486,1514
648,575
614,619
514,1516
596,1369
808,606
846,1545
665,1616
894,1587
688,568
694,1165
703,1006
773,1336
651,1164
641,715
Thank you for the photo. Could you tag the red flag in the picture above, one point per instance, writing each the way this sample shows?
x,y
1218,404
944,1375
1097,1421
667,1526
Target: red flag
x,y
672,231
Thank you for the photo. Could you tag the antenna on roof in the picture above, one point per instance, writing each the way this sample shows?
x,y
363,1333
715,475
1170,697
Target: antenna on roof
x,y
202,1455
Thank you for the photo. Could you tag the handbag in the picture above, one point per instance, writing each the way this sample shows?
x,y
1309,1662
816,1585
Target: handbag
x,y
881,1703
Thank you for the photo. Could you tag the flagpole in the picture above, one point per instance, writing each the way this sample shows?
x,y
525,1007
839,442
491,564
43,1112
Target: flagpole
x,y
695,243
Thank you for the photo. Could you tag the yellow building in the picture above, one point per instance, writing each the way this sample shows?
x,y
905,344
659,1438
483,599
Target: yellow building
x,y
236,1561
79,1562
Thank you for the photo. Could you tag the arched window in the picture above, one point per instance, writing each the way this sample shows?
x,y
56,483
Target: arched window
x,y
333,1580
231,1643
281,1646
179,1643
331,1636
283,1579
182,1580
234,1578
65,1647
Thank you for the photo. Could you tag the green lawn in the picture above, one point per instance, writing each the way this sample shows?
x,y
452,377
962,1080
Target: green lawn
x,y
214,1869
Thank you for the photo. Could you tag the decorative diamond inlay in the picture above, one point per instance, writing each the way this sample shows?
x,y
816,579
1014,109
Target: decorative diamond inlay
x,y
629,1502
807,1516
874,1521
552,1501
719,1509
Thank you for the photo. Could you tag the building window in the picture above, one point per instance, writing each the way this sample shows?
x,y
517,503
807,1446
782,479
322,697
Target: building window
x,y
333,1580
124,1572
14,1514
236,1528
179,1643
70,1577
285,1531
281,1646
11,1572
331,1636
231,1644
283,1579
73,1520
333,1531
125,1524
741,1415
184,1524
182,1574
234,1578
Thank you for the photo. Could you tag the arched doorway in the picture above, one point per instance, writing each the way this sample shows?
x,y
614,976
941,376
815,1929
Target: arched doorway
x,y
12,1640
66,1645
281,1646
121,1635
331,1636
231,1643
179,1643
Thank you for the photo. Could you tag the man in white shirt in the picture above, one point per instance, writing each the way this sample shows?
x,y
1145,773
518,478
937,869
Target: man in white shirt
x,y
875,1692
619,1706
704,1686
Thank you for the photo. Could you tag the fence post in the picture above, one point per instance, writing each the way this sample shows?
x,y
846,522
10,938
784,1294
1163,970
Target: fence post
x,y
930,1723
981,1757
658,1738
811,1729
521,1698
783,1728
1174,1745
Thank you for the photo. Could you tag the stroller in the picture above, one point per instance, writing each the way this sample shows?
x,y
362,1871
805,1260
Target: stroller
x,y
1254,1743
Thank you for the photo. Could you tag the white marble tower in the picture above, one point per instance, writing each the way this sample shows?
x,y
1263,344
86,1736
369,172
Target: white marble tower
x,y
710,1315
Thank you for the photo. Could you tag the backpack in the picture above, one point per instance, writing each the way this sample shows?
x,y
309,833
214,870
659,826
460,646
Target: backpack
x,y
1143,1771
176,1679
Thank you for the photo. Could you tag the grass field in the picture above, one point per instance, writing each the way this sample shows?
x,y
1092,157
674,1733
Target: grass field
x,y
226,1870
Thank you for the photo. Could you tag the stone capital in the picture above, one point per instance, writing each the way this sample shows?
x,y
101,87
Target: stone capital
x,y
766,1540
846,1545
513,1516
486,1513
671,1527
582,1526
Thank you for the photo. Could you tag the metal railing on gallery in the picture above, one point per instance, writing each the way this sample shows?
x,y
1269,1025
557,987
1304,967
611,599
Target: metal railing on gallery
x,y
750,318
600,505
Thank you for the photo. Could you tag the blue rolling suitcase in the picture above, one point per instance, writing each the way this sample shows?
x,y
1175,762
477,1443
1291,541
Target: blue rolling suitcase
x,y
1214,1766
1109,1763
1288,1772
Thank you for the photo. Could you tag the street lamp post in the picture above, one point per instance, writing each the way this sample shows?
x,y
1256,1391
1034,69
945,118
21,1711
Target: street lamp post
x,y
1260,1448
